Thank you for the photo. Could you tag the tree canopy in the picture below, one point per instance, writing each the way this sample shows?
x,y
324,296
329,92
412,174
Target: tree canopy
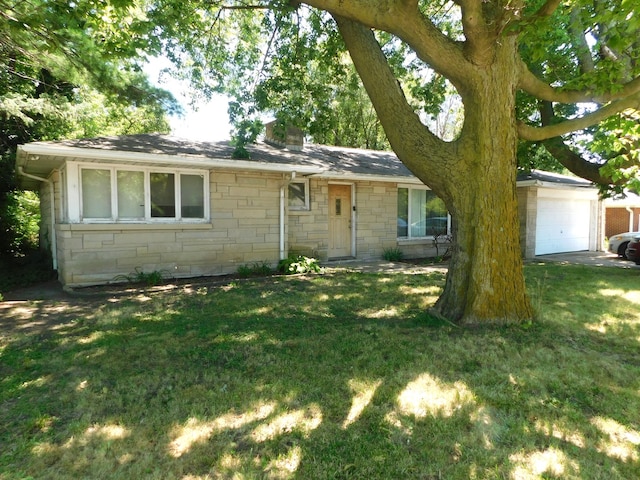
x,y
68,70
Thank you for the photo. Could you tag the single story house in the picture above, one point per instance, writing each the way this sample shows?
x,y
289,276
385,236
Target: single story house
x,y
115,205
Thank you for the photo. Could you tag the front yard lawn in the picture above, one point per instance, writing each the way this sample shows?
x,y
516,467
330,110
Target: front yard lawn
x,y
324,377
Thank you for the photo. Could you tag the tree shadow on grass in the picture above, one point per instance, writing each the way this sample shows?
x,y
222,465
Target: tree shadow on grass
x,y
342,376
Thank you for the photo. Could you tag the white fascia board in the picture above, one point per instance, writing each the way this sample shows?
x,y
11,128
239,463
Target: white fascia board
x,y
540,183
365,177
119,156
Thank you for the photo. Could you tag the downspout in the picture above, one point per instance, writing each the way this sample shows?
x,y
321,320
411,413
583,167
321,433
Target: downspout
x,y
282,221
630,210
54,243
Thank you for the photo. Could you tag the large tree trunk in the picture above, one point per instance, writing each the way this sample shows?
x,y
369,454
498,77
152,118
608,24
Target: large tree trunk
x,y
475,176
485,281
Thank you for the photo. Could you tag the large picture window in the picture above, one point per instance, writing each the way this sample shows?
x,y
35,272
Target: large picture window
x,y
421,214
115,194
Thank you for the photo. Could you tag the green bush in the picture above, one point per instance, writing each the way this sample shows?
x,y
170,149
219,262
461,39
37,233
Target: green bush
x,y
19,222
255,269
299,264
28,269
392,254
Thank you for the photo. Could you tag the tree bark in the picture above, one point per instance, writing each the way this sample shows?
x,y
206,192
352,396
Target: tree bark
x,y
475,176
485,281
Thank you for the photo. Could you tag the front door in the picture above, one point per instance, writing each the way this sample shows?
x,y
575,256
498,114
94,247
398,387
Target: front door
x,y
339,221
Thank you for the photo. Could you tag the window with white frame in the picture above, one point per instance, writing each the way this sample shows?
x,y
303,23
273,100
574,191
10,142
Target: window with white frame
x,y
421,214
115,194
299,195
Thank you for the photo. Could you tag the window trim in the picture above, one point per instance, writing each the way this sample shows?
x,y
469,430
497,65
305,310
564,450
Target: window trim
x,y
409,237
147,171
300,208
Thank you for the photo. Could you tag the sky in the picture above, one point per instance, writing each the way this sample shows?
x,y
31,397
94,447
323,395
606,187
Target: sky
x,y
208,122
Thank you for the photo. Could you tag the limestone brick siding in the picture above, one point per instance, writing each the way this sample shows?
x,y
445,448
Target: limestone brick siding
x,y
307,229
244,228
376,218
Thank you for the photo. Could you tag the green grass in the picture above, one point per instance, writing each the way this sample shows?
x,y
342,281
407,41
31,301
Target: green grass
x,y
326,377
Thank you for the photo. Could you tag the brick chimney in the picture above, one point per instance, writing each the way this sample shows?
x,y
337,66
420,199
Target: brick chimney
x,y
291,138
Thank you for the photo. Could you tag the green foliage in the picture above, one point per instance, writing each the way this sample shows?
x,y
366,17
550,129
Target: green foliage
x,y
295,264
392,254
70,70
255,269
19,223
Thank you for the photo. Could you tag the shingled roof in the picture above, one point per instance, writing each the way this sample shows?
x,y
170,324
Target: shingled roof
x,y
40,158
313,159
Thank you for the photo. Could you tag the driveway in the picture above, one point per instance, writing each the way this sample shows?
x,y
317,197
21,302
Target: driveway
x,y
599,259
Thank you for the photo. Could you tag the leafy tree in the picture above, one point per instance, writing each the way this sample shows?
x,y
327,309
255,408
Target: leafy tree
x,y
525,70
69,69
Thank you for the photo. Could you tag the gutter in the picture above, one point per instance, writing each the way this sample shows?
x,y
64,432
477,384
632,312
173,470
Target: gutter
x,y
54,243
282,220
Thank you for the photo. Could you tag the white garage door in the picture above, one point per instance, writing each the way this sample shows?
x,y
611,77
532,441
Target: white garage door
x,y
563,225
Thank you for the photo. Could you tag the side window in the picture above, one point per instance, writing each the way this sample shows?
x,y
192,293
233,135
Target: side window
x,y
142,195
299,195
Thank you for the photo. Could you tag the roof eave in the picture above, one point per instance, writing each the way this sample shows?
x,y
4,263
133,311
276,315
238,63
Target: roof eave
x,y
58,155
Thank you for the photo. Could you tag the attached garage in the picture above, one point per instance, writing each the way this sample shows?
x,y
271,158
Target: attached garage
x,y
558,214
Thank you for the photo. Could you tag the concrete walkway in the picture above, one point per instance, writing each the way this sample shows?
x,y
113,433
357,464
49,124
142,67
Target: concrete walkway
x,y
382,266
599,259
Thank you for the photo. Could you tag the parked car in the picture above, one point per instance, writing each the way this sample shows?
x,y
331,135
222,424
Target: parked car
x,y
618,243
633,250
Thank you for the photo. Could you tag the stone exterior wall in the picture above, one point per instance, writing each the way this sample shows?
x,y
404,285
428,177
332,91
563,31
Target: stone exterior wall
x,y
376,218
307,229
45,216
244,228
527,214
375,223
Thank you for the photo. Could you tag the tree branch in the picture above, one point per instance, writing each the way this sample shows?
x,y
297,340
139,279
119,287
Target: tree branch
x,y
480,39
543,91
403,19
575,163
534,134
409,138
547,9
572,160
